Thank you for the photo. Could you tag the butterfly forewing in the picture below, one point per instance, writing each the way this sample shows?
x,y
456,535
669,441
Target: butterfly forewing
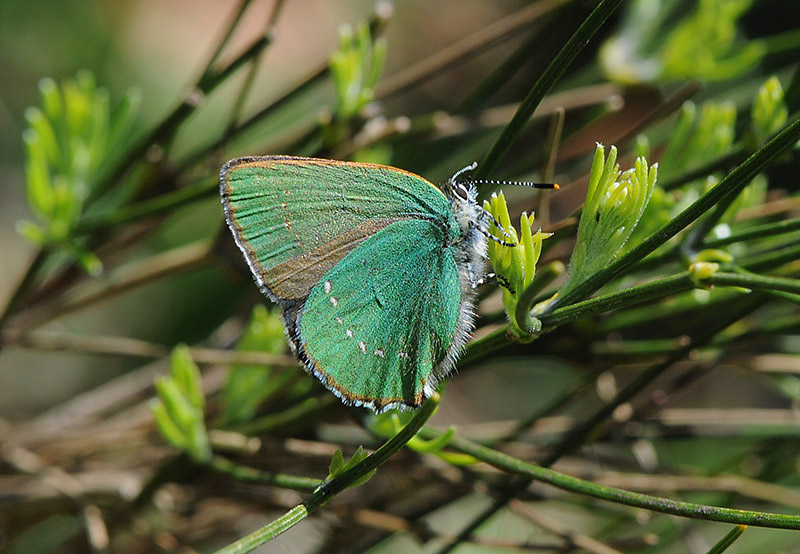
x,y
295,218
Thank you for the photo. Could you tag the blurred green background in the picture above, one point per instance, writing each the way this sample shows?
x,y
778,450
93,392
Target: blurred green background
x,y
160,48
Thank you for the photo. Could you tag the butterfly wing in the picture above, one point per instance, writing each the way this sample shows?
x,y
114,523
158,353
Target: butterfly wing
x,y
378,328
295,218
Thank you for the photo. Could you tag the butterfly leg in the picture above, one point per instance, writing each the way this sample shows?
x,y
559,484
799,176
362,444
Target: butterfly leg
x,y
494,278
491,237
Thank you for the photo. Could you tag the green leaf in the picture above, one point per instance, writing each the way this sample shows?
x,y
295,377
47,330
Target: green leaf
x,y
39,187
186,375
338,466
337,463
356,68
66,143
769,112
45,133
615,202
178,408
52,101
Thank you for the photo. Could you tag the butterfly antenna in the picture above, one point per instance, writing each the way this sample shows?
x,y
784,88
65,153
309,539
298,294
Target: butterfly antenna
x,y
460,172
515,183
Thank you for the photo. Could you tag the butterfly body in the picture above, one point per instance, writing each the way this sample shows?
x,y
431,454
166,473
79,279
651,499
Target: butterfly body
x,y
374,267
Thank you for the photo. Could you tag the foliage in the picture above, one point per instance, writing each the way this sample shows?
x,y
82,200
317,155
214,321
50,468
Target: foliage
x,y
702,44
673,329
178,408
70,139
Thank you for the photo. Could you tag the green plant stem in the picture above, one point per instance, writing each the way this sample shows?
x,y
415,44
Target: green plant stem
x,y
731,184
775,257
755,282
728,539
548,79
24,283
642,293
479,348
281,420
470,45
316,77
748,233
328,490
545,276
159,204
732,158
237,17
244,91
178,260
660,288
208,81
535,472
376,24
251,475
756,232
733,313
576,437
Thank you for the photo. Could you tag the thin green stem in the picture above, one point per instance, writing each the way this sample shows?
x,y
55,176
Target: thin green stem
x,y
147,208
24,283
775,257
576,437
756,232
479,348
755,282
251,475
732,158
620,299
546,276
208,81
280,420
237,17
328,490
548,79
316,77
535,472
451,56
728,539
731,184
244,91
377,23
579,434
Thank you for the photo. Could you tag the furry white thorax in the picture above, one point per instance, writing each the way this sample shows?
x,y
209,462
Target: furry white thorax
x,y
469,252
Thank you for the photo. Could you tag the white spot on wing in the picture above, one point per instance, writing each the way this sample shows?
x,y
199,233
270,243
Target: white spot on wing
x,y
403,355
362,346
339,320
349,333
380,353
334,301
327,286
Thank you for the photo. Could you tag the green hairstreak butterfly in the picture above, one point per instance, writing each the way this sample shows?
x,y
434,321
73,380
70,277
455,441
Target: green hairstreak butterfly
x,y
375,268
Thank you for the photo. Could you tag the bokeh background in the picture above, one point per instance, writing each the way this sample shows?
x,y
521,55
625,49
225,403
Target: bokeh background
x,y
159,49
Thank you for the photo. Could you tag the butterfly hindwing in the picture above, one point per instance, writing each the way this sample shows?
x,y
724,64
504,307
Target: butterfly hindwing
x,y
379,325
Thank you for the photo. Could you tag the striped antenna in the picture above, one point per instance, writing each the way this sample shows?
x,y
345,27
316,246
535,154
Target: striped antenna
x,y
515,183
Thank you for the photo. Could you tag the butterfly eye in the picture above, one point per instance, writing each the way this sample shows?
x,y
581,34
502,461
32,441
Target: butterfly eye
x,y
461,191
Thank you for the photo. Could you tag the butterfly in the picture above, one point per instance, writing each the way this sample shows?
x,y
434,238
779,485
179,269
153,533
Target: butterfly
x,y
374,267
